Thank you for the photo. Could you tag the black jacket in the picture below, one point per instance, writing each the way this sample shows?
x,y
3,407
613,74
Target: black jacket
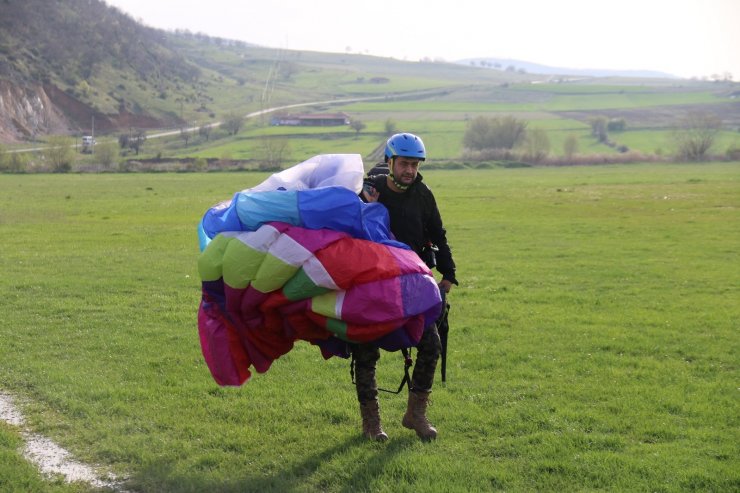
x,y
415,220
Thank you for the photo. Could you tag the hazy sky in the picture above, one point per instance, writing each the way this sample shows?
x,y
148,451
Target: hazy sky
x,y
682,37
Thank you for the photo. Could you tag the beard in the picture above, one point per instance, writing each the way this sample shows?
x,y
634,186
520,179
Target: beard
x,y
406,178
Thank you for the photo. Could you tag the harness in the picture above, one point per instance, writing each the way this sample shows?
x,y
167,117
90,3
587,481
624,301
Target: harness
x,y
442,327
428,256
406,380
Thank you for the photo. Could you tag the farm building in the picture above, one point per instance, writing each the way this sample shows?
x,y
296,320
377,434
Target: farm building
x,y
312,120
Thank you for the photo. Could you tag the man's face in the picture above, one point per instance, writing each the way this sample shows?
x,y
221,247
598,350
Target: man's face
x,y
405,169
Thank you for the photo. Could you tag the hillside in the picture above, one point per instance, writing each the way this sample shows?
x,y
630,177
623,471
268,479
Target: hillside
x,y
65,64
61,63
508,64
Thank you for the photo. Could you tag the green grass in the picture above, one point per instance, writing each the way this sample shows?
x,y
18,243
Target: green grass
x,y
593,346
545,101
16,474
664,141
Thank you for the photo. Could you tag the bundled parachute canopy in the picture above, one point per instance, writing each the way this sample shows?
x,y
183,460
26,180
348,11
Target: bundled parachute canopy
x,y
300,257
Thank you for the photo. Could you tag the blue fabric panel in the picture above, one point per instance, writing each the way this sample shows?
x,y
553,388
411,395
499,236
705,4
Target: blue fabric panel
x,y
220,218
256,208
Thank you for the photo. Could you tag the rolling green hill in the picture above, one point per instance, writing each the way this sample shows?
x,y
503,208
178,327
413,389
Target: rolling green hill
x,y
66,66
62,63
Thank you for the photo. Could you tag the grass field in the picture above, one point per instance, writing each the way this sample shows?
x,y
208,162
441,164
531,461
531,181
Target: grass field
x,y
593,345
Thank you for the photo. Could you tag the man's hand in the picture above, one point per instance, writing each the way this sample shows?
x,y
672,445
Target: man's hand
x,y
445,285
370,193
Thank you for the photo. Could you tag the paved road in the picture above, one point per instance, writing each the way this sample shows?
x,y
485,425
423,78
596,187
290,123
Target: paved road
x,y
170,133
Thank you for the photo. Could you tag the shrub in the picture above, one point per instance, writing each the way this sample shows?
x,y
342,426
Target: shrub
x,y
60,154
570,146
494,133
599,128
733,153
536,146
696,135
616,125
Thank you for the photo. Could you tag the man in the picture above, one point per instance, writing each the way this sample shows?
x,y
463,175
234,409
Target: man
x,y
415,221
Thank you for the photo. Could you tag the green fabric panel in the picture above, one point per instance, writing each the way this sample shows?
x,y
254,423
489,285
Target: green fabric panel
x,y
241,263
210,261
337,327
325,304
300,286
273,274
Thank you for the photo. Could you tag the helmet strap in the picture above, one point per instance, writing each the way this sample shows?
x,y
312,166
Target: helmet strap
x,y
398,184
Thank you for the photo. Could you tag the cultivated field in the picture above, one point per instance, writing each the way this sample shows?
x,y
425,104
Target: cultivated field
x,y
593,344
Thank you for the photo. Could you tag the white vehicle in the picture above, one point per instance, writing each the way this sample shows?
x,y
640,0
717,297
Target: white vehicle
x,y
88,142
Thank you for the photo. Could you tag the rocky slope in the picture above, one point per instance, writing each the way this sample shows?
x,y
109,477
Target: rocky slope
x,y
63,64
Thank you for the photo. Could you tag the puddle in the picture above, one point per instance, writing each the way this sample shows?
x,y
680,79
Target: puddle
x,y
50,458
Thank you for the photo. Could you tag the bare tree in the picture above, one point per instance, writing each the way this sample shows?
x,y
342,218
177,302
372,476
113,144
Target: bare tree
x,y
205,131
136,140
494,133
536,145
599,128
616,125
185,135
233,123
106,154
358,126
287,69
390,127
273,152
476,135
570,146
696,135
508,132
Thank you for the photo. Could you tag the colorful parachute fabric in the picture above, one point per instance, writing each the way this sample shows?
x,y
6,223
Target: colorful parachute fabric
x,y
314,264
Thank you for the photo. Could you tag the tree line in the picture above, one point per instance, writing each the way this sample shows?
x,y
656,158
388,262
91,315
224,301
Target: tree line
x,y
510,138
499,138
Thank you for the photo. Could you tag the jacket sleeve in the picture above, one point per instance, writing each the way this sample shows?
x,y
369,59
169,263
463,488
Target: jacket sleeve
x,y
438,236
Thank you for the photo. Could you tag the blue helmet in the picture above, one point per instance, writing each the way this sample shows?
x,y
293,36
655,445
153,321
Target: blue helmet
x,y
405,145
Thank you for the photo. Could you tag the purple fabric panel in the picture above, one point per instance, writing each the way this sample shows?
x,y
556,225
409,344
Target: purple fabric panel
x,y
408,261
403,337
373,302
419,293
431,315
313,239
333,346
215,291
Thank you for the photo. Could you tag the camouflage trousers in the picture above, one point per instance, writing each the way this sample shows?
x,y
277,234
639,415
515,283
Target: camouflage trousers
x,y
427,354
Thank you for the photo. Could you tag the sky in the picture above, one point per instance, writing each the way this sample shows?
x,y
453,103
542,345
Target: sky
x,y
686,38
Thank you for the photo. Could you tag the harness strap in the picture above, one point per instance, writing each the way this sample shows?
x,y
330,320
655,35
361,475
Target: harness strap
x,y
406,380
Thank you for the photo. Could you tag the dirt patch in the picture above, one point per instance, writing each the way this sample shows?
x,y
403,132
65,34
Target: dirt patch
x,y
81,114
50,458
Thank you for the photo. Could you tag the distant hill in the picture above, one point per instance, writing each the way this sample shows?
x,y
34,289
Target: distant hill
x,y
506,64
67,66
71,66
64,62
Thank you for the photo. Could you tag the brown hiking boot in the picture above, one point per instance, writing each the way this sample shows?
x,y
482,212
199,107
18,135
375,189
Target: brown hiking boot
x,y
370,412
415,417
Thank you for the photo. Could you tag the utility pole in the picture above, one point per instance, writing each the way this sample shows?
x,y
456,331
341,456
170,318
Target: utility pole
x,y
92,149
